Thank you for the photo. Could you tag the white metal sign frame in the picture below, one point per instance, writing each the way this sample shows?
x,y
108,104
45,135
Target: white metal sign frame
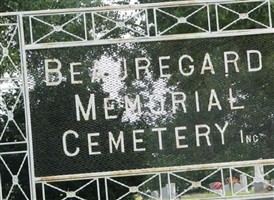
x,y
91,37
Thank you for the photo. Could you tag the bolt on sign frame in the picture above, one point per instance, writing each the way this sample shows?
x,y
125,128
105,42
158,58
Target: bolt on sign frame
x,y
23,145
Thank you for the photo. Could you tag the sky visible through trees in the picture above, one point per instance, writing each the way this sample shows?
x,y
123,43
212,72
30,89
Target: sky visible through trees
x,y
146,105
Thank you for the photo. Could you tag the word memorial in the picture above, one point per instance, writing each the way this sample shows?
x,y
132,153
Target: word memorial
x,y
150,108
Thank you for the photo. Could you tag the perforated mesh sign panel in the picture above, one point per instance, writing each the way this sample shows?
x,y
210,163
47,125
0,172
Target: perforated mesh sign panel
x,y
146,105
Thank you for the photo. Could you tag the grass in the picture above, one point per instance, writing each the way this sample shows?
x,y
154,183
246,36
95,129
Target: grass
x,y
205,195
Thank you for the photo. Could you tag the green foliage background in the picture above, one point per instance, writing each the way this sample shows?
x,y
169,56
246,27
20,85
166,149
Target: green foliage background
x,y
258,87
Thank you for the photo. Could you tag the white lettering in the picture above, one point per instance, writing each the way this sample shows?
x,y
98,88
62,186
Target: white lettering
x,y
213,96
159,131
56,71
133,106
119,142
222,130
108,108
65,147
260,66
191,67
204,134
162,104
207,65
93,144
73,73
125,70
97,73
137,140
197,102
179,101
232,100
232,61
180,137
162,67
138,67
79,106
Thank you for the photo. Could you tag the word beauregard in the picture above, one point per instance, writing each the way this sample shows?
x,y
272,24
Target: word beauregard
x,y
142,66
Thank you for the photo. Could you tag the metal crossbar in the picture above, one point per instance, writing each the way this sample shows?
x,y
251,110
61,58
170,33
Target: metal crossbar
x,y
97,38
141,23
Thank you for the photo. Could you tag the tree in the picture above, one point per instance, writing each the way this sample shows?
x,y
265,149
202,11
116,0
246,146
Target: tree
x,y
249,89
